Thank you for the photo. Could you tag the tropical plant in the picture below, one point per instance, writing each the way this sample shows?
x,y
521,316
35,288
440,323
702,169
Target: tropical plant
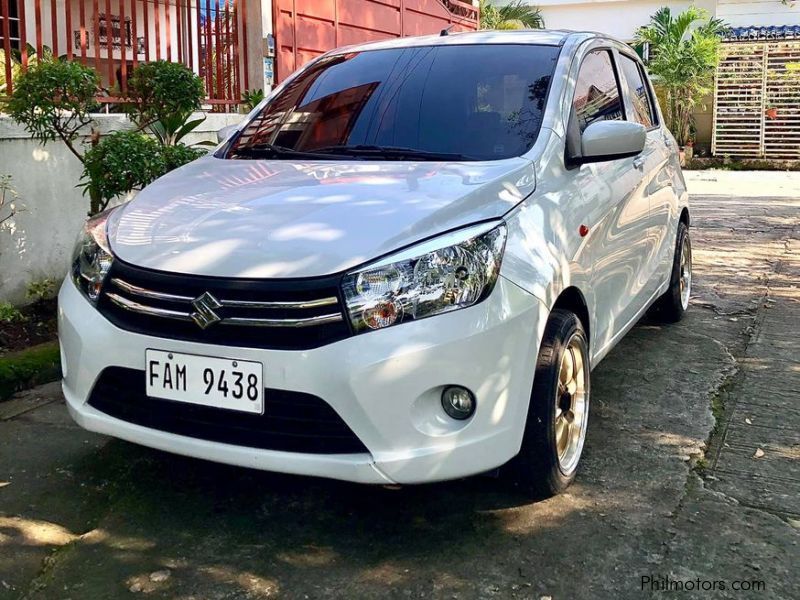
x,y
15,58
514,15
164,95
252,98
15,69
684,54
221,79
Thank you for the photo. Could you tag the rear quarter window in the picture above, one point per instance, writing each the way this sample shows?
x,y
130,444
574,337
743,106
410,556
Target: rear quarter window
x,y
638,91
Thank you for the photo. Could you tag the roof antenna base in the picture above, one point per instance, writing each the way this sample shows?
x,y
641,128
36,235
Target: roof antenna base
x,y
446,31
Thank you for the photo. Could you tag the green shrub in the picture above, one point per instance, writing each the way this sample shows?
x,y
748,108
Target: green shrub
x,y
122,162
179,155
53,99
125,161
10,313
164,95
43,289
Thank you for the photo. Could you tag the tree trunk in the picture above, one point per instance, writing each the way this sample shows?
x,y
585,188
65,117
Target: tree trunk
x,y
95,202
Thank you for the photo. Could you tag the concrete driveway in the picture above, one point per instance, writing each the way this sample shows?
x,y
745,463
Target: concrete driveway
x,y
690,479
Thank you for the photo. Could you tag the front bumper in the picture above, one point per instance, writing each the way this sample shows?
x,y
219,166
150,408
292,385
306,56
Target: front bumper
x,y
385,385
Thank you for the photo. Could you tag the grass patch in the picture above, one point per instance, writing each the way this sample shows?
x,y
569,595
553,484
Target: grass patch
x,y
30,367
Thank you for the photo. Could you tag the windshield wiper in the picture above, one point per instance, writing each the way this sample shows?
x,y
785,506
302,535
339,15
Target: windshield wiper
x,y
389,152
265,149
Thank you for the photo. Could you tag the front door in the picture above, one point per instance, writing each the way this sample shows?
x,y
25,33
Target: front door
x,y
617,190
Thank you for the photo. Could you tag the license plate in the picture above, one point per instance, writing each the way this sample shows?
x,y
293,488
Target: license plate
x,y
219,382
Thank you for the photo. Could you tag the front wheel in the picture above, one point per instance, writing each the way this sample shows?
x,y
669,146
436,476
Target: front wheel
x,y
559,409
673,304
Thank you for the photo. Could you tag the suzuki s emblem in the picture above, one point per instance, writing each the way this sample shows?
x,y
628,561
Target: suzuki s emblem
x,y
204,307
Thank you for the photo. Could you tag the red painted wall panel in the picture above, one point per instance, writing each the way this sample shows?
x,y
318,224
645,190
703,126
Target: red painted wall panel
x,y
305,29
371,16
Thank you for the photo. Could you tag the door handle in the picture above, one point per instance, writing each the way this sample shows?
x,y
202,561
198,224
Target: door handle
x,y
638,163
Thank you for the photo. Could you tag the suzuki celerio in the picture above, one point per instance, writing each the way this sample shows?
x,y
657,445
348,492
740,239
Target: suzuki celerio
x,y
400,268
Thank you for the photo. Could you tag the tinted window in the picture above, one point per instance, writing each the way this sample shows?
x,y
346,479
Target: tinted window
x,y
597,92
637,90
481,101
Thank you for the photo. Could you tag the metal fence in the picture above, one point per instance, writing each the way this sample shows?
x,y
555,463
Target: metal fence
x,y
114,36
757,100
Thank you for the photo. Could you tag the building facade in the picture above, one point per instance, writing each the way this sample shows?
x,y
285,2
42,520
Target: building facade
x,y
621,18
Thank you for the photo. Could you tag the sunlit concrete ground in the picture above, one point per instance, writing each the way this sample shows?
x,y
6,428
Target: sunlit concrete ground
x,y
667,487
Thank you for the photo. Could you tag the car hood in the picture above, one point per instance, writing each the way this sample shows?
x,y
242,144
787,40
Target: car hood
x,y
278,219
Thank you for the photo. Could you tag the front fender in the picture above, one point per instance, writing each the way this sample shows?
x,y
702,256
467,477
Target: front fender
x,y
545,253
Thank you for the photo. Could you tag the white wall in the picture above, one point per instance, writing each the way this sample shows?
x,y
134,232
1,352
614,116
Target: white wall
x,y
621,18
38,241
743,13
618,18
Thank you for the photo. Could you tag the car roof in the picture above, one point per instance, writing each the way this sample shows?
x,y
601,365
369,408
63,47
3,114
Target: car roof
x,y
541,37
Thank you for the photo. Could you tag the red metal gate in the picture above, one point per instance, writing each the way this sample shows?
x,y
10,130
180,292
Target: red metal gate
x,y
304,29
114,36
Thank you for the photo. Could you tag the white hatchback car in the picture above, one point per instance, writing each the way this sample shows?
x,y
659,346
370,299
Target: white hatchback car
x,y
400,268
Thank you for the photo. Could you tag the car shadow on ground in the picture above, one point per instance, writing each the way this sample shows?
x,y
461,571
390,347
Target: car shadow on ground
x,y
224,528
229,532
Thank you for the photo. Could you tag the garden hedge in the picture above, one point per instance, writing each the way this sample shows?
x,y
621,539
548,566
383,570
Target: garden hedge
x,y
30,367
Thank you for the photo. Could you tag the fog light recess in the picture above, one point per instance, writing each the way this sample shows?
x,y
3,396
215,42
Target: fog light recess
x,y
458,402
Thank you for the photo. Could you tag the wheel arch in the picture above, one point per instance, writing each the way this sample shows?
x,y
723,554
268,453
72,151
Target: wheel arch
x,y
573,300
684,218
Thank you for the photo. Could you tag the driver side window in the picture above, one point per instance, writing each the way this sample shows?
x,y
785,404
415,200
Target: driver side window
x,y
597,95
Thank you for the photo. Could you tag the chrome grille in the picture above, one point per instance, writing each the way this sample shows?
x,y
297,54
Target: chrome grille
x,y
186,315
281,313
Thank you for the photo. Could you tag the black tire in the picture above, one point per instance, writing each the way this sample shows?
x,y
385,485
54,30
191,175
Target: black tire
x,y
537,468
672,305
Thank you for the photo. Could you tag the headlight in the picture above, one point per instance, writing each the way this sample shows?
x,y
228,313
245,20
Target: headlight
x,y
92,257
453,271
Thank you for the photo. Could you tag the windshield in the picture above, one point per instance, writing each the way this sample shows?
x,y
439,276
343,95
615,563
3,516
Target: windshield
x,y
470,102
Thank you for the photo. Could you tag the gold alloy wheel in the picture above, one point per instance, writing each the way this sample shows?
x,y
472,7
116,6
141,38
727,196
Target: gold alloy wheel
x,y
685,277
572,401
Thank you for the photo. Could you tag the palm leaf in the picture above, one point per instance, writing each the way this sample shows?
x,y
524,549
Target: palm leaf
x,y
515,15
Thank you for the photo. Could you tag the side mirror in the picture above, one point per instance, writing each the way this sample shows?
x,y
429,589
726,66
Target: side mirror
x,y
611,140
226,132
